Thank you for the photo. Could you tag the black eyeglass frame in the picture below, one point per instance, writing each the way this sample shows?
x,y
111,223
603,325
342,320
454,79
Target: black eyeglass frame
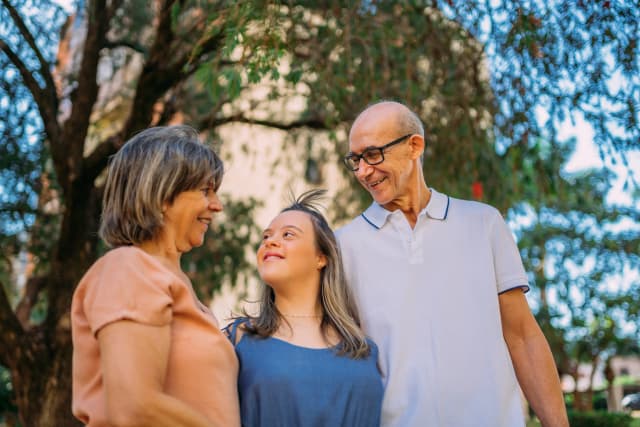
x,y
358,157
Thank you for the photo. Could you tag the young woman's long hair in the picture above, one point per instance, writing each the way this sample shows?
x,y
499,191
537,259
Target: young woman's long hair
x,y
339,311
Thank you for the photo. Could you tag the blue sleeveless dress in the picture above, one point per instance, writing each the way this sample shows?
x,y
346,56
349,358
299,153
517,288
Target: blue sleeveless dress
x,y
285,385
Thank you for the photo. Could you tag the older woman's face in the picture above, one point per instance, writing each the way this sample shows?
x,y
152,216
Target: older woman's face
x,y
288,251
187,219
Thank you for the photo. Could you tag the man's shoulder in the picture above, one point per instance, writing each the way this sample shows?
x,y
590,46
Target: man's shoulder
x,y
465,208
352,227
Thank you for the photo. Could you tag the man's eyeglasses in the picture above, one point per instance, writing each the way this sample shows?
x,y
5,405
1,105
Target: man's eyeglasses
x,y
372,155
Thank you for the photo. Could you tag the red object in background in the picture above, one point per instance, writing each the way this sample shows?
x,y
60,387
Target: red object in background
x,y
476,190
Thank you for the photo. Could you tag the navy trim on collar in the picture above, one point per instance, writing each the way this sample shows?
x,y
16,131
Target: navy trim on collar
x,y
376,215
437,208
371,223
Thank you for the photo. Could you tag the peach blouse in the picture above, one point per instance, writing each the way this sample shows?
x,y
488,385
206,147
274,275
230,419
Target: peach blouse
x,y
129,284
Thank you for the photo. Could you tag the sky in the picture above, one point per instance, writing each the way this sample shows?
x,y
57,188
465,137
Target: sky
x,y
66,4
586,156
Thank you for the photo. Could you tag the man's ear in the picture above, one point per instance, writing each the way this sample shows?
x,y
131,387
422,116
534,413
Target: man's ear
x,y
417,144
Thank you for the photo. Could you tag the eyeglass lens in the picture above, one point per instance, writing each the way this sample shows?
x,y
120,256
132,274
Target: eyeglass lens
x,y
371,156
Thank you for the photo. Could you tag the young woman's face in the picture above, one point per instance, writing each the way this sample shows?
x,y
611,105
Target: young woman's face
x,y
288,252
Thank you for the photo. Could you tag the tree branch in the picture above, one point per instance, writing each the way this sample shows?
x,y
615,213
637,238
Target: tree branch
x,y
109,44
23,310
208,45
50,87
111,11
311,123
157,76
76,127
95,162
46,106
169,108
11,330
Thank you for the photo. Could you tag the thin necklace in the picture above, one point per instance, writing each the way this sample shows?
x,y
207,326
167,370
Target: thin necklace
x,y
302,316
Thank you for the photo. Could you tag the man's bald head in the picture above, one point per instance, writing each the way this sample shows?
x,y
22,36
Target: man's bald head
x,y
390,115
386,145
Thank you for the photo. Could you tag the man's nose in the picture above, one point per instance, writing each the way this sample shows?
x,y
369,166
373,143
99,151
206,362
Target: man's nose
x,y
364,169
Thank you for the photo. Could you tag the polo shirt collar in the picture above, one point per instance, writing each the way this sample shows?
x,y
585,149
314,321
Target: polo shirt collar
x,y
437,208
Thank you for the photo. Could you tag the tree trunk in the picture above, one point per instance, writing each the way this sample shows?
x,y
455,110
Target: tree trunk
x,y
56,405
41,374
583,400
43,387
610,375
29,371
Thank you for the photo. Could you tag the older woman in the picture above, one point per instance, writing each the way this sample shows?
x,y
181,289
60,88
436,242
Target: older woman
x,y
146,351
304,360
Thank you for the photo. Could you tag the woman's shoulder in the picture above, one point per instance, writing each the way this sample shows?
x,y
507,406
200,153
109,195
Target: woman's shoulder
x,y
128,256
125,283
236,329
371,343
129,269
135,261
373,348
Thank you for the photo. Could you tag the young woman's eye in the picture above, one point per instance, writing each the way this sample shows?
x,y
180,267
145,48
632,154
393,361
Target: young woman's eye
x,y
288,234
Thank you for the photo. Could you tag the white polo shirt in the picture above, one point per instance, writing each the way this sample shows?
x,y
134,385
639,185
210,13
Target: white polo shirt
x,y
428,297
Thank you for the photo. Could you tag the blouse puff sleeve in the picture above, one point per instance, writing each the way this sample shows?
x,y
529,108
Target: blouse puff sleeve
x,y
127,284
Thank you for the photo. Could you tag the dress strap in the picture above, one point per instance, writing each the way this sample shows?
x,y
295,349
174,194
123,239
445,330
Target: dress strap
x,y
231,330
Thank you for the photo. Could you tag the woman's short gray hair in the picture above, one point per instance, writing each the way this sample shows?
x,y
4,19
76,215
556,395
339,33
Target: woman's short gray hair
x,y
151,169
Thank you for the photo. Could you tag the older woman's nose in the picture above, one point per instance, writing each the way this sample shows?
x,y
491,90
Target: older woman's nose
x,y
214,203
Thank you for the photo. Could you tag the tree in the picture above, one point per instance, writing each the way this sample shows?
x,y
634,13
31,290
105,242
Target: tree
x,y
583,256
54,157
566,59
199,61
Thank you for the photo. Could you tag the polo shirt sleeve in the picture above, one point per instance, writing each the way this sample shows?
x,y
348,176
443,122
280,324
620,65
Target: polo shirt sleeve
x,y
507,263
127,285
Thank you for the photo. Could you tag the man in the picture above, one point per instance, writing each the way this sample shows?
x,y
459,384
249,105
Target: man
x,y
440,285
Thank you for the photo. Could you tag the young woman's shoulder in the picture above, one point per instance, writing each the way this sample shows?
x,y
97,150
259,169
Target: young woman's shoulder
x,y
236,329
373,347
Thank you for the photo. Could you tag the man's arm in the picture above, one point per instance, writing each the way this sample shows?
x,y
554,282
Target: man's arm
x,y
532,359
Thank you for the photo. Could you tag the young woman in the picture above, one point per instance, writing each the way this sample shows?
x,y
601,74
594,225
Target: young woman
x,y
146,352
304,361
